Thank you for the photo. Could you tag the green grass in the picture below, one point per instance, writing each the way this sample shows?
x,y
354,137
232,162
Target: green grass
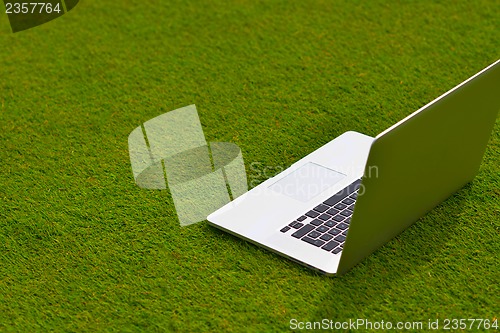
x,y
82,248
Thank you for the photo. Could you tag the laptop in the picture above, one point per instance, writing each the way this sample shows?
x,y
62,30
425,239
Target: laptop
x,y
337,205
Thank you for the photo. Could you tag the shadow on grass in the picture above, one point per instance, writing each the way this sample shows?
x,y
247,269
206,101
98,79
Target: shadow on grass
x,y
369,283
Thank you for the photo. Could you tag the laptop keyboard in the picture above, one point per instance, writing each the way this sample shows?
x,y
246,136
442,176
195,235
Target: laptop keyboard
x,y
326,225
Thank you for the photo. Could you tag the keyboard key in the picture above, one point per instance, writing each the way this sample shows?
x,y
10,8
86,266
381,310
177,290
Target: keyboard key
x,y
332,211
336,198
330,223
345,232
346,213
324,217
302,218
312,213
298,225
285,229
315,242
338,218
342,194
340,206
340,238
351,208
302,231
337,250
314,234
330,246
293,223
354,196
347,220
322,229
342,226
348,201
316,222
321,208
333,231
326,237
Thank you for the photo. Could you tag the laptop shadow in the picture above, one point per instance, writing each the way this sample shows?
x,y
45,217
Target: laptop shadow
x,y
384,274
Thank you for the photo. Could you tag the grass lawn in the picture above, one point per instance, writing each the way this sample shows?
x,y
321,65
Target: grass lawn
x,y
82,248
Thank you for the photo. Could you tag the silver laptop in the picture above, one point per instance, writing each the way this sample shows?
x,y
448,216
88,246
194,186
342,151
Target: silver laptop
x,y
343,201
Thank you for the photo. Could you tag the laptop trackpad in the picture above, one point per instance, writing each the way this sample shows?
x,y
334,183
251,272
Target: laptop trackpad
x,y
307,182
